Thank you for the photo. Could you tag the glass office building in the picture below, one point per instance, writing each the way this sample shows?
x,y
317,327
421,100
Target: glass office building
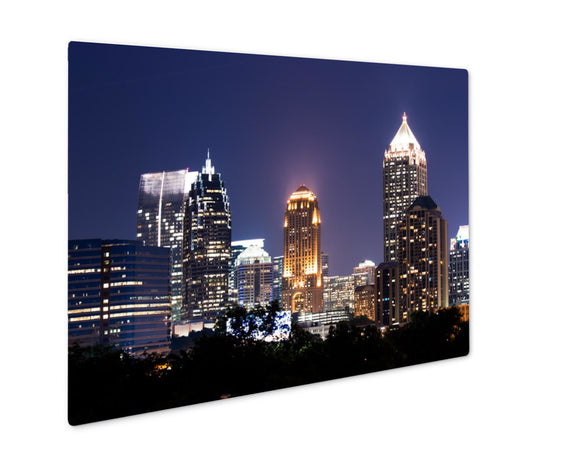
x,y
160,211
207,239
253,277
119,295
459,267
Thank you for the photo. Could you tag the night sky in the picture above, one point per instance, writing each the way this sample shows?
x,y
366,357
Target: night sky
x,y
271,124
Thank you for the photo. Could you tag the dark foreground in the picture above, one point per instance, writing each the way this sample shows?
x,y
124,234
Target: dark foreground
x,y
105,384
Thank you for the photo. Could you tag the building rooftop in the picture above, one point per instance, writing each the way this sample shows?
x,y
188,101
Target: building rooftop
x,y
425,202
404,138
253,254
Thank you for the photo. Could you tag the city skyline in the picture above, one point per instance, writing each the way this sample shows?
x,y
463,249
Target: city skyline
x,y
272,124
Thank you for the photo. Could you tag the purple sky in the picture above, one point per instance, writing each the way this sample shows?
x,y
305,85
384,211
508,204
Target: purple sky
x,y
272,124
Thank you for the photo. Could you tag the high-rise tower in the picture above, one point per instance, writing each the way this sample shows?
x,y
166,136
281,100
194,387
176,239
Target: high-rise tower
x,y
207,238
423,255
404,179
160,211
253,277
302,278
459,267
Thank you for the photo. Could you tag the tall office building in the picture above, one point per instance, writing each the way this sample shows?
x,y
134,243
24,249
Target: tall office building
x,y
388,298
339,293
160,211
404,179
237,248
253,277
207,237
277,272
302,278
423,255
119,295
459,267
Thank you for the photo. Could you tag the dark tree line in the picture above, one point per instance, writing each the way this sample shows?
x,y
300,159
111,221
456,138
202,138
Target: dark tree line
x,y
106,383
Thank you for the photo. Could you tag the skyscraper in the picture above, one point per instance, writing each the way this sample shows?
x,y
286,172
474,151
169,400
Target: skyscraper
x,y
253,277
404,179
119,295
423,256
207,237
459,267
237,248
160,211
277,272
302,278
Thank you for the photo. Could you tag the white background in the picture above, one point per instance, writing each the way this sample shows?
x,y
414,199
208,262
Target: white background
x,y
512,405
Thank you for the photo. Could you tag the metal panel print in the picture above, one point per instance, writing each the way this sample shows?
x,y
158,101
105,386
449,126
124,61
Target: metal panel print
x,y
240,223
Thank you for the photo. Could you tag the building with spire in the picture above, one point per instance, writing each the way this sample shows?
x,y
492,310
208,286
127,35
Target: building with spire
x,y
302,286
423,257
207,238
160,210
404,179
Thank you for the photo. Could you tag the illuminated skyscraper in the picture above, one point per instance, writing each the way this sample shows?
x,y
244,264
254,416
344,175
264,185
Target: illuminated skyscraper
x,y
119,295
404,179
160,211
237,248
253,277
207,237
459,267
302,278
423,256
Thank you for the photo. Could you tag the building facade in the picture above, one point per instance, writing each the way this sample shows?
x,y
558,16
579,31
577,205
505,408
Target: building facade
x,y
364,273
423,255
364,301
404,179
253,278
302,285
459,267
207,238
339,293
324,258
388,297
119,295
236,248
160,210
277,272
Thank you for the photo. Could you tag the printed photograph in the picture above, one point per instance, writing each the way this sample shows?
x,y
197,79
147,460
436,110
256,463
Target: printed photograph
x,y
241,223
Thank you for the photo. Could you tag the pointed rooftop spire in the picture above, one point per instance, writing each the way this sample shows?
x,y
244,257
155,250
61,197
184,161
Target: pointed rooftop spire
x,y
208,168
404,137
